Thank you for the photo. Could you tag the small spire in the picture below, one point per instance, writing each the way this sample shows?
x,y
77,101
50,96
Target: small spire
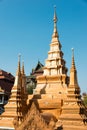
x,y
55,23
23,72
19,67
55,17
73,72
73,62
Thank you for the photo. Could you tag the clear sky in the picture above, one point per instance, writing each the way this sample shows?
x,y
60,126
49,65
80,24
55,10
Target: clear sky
x,y
26,27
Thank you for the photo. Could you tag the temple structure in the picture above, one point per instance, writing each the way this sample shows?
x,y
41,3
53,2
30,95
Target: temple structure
x,y
56,101
6,84
55,71
17,104
6,81
73,115
31,79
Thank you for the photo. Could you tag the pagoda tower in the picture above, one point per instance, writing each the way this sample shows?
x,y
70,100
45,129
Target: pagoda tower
x,y
15,108
52,86
54,79
74,115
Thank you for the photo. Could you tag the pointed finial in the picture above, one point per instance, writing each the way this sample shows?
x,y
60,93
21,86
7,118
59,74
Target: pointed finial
x,y
73,72
55,17
38,61
19,57
73,62
23,72
19,67
72,52
55,34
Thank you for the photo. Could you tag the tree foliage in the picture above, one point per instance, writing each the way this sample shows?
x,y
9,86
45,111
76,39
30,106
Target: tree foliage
x,y
30,89
85,100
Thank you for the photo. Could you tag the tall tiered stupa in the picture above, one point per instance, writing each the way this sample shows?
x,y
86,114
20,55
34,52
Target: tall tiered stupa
x,y
74,115
52,86
56,102
54,79
17,105
60,94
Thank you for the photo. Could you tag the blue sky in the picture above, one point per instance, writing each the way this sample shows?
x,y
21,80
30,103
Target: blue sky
x,y
26,27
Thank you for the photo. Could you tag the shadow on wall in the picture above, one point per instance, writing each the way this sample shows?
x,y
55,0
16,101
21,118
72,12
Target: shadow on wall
x,y
60,128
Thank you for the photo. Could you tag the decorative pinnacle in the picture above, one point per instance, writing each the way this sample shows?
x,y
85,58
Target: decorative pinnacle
x,y
23,68
73,62
19,57
55,34
72,51
55,17
19,68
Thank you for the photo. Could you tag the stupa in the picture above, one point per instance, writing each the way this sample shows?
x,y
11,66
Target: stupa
x,y
54,79
52,86
16,106
73,115
57,94
55,103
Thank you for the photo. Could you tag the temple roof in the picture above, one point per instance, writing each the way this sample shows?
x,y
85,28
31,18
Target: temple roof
x,y
6,75
38,66
6,81
38,69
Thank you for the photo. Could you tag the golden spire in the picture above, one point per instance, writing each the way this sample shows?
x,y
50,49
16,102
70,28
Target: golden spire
x,y
73,71
73,62
23,72
19,67
55,33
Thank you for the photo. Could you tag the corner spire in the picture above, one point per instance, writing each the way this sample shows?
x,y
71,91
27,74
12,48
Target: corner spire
x,y
73,62
55,33
19,67
73,71
23,72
